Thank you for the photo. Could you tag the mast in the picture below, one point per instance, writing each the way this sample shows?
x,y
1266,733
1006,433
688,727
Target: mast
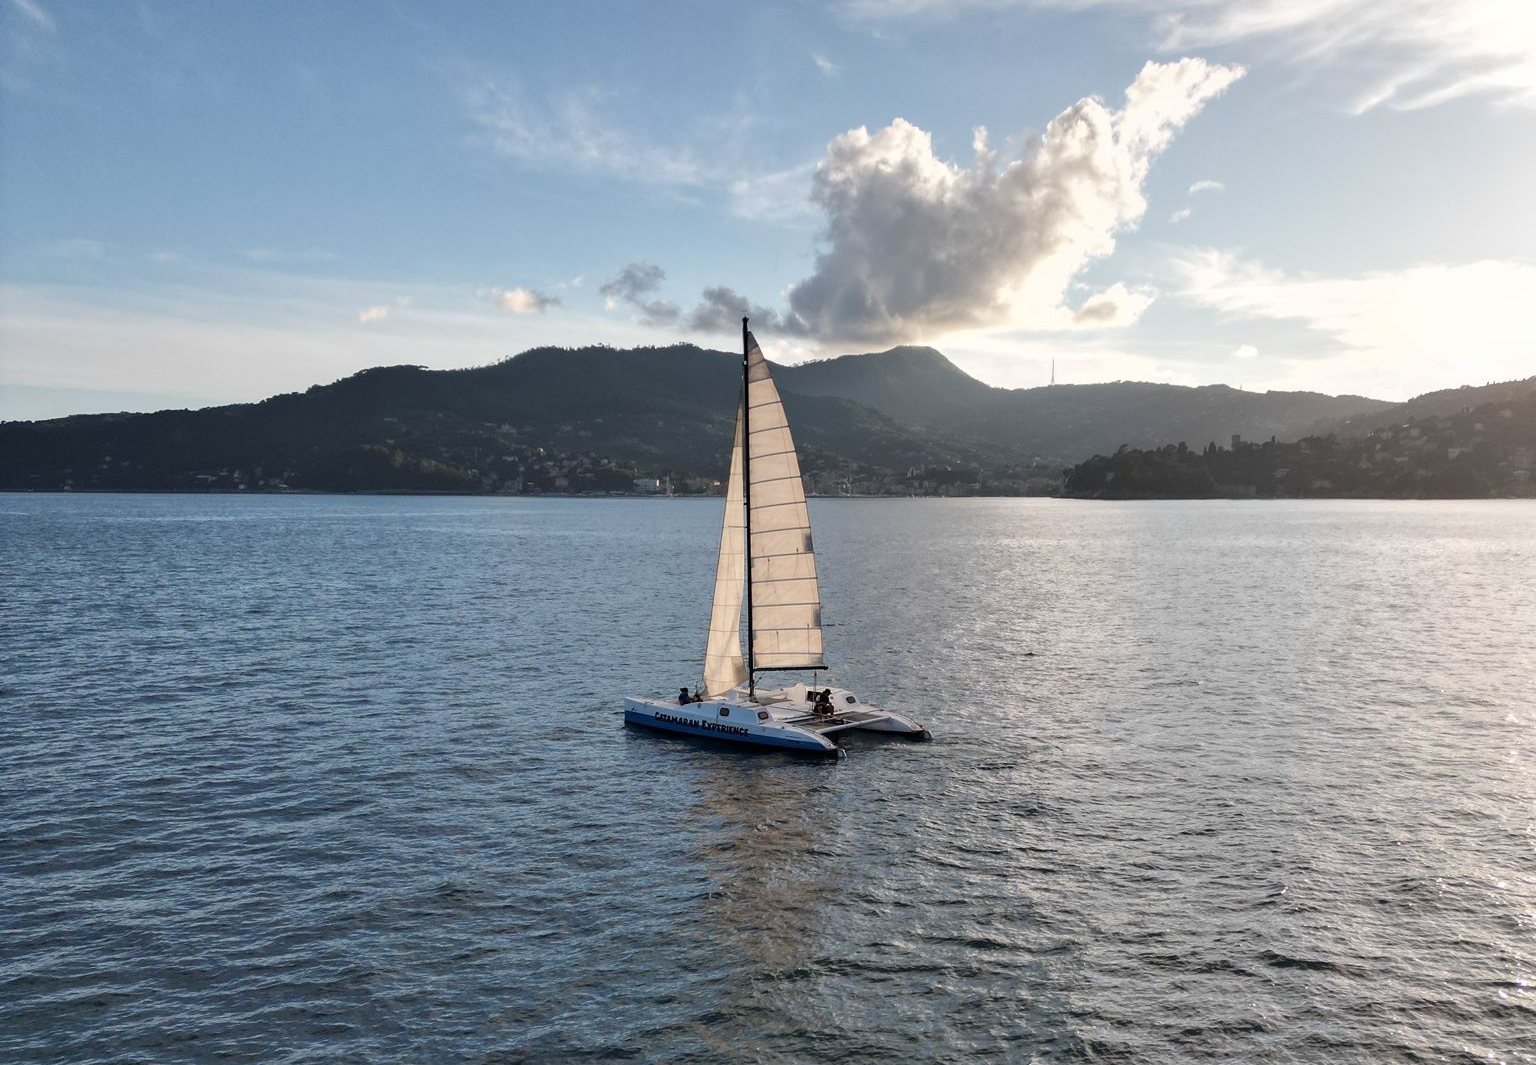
x,y
746,491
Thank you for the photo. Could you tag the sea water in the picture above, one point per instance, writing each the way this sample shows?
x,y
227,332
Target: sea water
x,y
293,779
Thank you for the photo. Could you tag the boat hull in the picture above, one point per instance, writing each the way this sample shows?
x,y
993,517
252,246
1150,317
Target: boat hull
x,y
729,722
784,719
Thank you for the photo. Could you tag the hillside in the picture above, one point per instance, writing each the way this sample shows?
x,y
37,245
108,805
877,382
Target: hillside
x,y
1431,404
549,419
1064,422
1477,452
597,418
914,385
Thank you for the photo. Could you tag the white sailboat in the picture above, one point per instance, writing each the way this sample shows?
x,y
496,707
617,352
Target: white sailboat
x,y
766,556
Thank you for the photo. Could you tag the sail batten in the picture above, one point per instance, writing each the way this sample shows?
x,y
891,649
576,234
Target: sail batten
x,y
786,597
785,601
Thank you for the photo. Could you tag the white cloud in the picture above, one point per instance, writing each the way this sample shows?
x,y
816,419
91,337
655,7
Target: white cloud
x,y
1390,333
1180,215
1115,306
915,247
1410,53
1206,185
828,68
1246,351
372,314
524,300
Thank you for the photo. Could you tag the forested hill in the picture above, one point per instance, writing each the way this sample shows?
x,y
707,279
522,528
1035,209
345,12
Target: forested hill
x,y
1474,453
597,418
591,419
1447,401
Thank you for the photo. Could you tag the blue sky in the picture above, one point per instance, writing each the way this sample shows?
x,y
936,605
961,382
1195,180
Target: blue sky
x,y
208,203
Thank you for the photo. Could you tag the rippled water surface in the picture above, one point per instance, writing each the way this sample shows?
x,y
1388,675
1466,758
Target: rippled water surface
x,y
332,779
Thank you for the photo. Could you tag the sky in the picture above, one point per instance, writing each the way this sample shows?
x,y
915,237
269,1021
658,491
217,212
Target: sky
x,y
214,203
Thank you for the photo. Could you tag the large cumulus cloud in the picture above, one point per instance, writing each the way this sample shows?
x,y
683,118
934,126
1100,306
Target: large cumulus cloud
x,y
915,246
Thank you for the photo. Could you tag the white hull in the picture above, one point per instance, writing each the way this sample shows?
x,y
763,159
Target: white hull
x,y
778,718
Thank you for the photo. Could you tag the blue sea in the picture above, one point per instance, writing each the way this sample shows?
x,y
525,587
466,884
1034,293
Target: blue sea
x,y
312,779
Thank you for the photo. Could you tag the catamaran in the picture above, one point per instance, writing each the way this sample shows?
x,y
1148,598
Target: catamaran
x,y
766,556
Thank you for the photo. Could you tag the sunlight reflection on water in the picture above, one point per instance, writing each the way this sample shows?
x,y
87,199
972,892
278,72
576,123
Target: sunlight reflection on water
x,y
292,778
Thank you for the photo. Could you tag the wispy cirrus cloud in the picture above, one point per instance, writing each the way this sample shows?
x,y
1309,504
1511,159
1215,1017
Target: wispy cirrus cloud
x,y
34,13
778,196
574,133
32,50
579,132
1403,54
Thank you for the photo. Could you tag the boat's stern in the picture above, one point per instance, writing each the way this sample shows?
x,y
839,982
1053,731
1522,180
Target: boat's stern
x,y
797,704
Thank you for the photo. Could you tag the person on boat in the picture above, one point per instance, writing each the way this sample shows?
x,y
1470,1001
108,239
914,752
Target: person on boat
x,y
683,698
823,703
696,696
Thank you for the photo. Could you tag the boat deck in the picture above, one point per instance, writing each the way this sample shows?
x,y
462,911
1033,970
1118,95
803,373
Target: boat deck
x,y
851,719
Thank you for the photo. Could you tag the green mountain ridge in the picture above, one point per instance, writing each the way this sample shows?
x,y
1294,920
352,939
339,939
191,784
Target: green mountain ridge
x,y
597,418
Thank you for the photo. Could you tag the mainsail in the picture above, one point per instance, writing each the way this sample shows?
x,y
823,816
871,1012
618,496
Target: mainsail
x,y
784,610
785,602
723,665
